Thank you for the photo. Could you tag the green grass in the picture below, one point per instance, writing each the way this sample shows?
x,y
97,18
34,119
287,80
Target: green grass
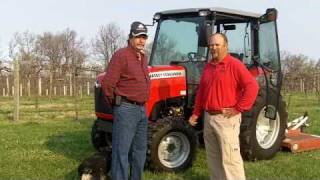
x,y
49,143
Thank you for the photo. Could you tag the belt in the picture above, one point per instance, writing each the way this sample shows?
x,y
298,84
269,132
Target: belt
x,y
214,112
124,99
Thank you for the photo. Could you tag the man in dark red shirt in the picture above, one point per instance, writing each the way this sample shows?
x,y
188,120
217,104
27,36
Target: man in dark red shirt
x,y
126,85
226,89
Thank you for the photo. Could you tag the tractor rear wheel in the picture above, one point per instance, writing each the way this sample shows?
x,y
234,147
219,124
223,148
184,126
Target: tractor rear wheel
x,y
261,137
171,145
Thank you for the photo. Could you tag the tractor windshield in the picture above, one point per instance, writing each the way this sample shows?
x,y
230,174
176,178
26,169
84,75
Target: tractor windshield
x,y
177,39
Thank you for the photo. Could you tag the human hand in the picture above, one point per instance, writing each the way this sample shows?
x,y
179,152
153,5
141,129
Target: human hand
x,y
229,112
193,120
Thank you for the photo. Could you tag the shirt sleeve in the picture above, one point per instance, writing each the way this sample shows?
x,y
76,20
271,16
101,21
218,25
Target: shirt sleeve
x,y
249,87
112,76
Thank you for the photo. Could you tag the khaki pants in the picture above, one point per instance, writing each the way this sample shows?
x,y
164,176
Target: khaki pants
x,y
221,137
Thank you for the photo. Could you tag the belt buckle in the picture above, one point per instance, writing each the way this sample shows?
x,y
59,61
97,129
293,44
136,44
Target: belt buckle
x,y
132,102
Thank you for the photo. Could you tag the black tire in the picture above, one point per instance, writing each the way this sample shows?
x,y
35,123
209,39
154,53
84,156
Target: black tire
x,y
252,145
99,138
167,133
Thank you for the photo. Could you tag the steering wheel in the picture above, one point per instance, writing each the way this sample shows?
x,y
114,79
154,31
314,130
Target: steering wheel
x,y
193,56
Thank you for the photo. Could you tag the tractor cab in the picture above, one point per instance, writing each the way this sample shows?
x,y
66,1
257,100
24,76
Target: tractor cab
x,y
182,39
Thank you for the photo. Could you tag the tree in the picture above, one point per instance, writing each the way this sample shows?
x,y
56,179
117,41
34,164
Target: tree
x,y
49,48
108,39
74,56
300,72
23,46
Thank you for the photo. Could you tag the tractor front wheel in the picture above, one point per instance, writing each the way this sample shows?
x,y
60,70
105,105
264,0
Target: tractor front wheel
x,y
171,145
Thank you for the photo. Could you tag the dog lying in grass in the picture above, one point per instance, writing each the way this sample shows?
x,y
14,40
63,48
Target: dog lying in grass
x,y
95,167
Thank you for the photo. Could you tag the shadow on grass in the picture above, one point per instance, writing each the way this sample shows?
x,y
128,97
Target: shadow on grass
x,y
189,174
6,114
75,145
195,176
72,175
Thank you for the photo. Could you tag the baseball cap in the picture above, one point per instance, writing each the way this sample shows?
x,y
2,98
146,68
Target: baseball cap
x,y
138,28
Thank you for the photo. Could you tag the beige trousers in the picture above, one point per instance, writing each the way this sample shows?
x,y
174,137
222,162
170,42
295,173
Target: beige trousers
x,y
221,137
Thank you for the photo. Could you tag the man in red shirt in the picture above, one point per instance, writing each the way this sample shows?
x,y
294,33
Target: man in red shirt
x,y
226,89
126,85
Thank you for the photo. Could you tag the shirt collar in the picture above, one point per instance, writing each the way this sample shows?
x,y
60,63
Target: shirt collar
x,y
134,52
225,60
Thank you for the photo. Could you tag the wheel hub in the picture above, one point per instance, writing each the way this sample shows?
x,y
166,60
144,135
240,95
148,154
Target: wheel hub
x,y
171,148
174,149
267,130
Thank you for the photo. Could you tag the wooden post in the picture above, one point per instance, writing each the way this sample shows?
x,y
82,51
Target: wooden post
x,y
16,90
55,91
8,86
88,88
20,89
71,85
64,90
50,86
39,84
80,91
29,87
3,91
318,81
314,85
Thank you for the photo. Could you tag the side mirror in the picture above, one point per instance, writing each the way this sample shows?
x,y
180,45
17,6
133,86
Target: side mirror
x,y
270,15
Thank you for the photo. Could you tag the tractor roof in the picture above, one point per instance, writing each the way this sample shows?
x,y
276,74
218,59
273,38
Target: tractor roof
x,y
213,9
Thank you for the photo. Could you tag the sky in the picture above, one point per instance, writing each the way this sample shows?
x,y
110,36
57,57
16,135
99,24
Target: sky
x,y
298,23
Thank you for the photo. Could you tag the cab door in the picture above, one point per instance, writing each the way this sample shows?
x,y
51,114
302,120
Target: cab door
x,y
269,58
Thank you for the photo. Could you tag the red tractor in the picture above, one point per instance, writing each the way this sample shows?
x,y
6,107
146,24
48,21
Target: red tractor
x,y
179,53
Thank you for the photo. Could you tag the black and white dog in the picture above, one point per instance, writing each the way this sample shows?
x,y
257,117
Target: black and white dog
x,y
95,167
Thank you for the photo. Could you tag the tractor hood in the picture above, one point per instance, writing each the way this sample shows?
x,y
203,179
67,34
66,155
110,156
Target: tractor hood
x,y
167,81
166,71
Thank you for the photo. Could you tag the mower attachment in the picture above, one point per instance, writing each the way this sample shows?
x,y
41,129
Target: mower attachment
x,y
298,141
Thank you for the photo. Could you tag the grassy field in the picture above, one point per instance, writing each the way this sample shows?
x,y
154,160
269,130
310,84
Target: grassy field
x,y
49,143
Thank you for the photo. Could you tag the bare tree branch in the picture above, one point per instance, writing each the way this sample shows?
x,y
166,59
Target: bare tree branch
x,y
108,39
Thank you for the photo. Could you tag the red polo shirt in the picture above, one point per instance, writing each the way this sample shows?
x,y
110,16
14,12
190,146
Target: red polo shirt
x,y
226,84
127,76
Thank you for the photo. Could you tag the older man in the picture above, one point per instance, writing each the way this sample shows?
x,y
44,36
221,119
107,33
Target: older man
x,y
226,89
126,85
